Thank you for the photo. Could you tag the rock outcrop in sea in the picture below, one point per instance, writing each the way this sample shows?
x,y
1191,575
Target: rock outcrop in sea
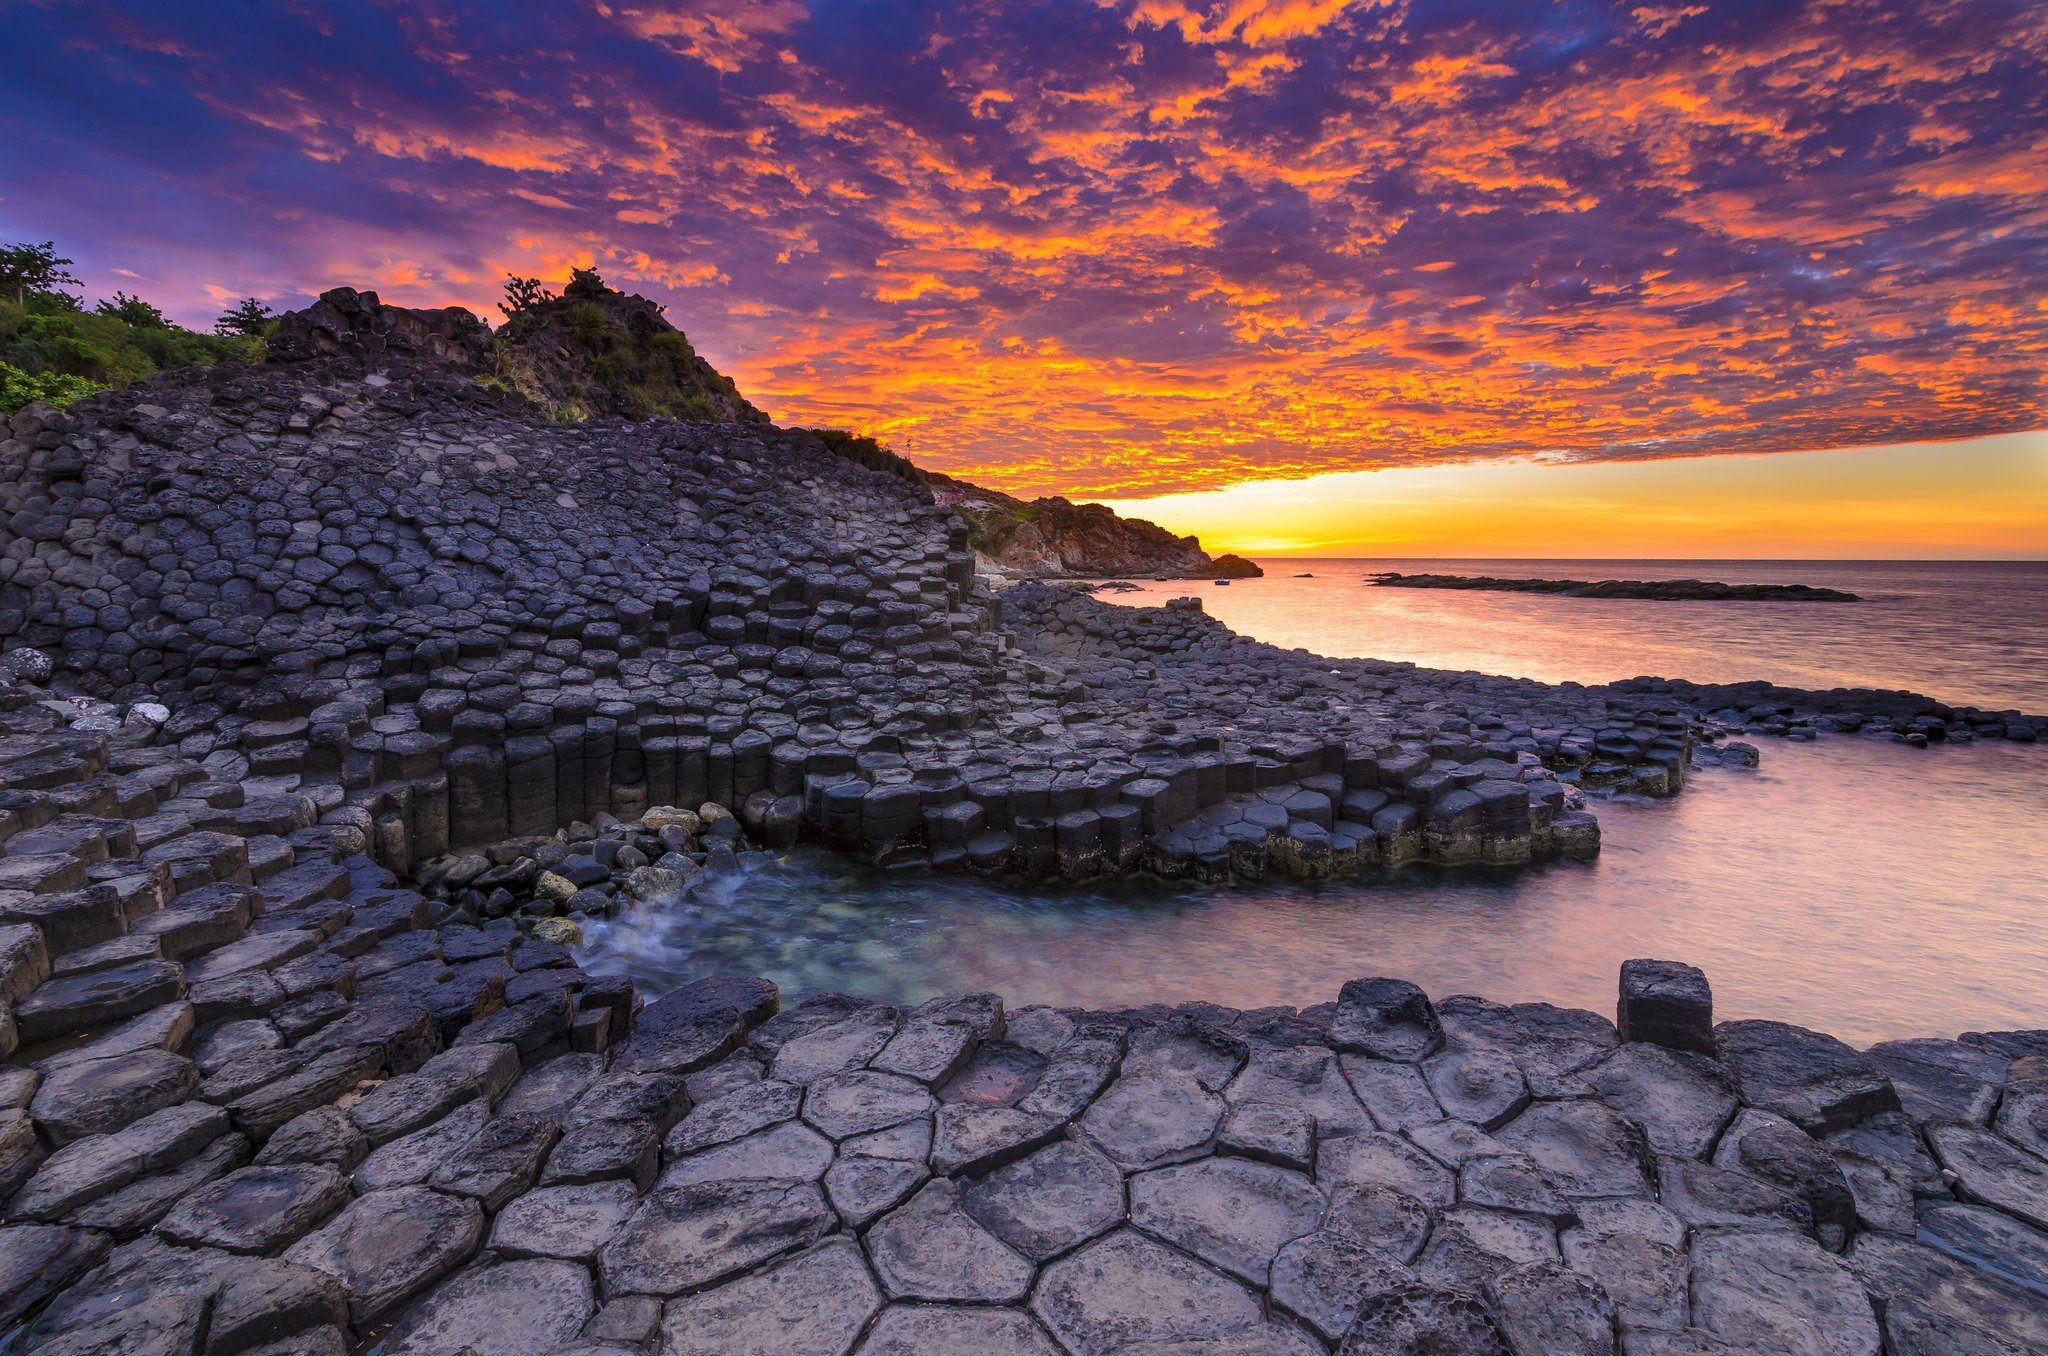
x,y
1657,590
336,692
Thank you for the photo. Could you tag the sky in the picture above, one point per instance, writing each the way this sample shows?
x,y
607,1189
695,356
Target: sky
x,y
1126,249
1985,499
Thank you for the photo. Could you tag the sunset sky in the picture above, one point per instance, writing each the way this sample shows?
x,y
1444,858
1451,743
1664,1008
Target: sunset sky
x,y
1143,248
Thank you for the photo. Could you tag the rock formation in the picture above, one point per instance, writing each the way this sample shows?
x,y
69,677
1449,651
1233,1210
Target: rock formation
x,y
1659,590
286,1075
273,1100
594,351
1052,538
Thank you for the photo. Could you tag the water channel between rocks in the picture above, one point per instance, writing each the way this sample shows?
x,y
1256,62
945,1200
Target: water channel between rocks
x,y
1851,885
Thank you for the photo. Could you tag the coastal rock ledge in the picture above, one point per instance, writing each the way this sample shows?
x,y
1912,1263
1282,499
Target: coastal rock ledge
x,y
268,1098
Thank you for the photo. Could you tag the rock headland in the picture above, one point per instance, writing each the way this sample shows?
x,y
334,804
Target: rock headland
x,y
1660,590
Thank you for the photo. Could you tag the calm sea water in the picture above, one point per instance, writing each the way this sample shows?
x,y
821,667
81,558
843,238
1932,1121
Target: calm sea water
x,y
1970,632
1851,885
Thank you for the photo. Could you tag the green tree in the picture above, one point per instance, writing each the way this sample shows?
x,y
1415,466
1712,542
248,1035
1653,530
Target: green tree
x,y
246,317
132,311
27,268
522,295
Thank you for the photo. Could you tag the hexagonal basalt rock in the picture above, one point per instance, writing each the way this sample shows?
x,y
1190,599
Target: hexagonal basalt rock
x,y
1387,1019
1396,1095
81,1002
735,1115
847,1104
1142,1123
1547,1307
1308,1078
388,1246
1470,1245
931,1249
1780,1292
1125,1289
1991,1171
1811,1079
1482,1087
96,1097
1388,1160
927,1049
815,1302
569,1222
1281,1135
1232,1213
835,1047
259,1209
685,1237
1048,1203
1682,1102
1584,1148
1423,1318
863,1186
519,1308
970,1140
955,1330
1321,1279
784,1153
1947,1298
1645,1279
39,1260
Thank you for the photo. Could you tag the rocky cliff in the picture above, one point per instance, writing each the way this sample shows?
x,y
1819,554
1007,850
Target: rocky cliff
x,y
591,352
1048,538
598,352
595,351
1052,538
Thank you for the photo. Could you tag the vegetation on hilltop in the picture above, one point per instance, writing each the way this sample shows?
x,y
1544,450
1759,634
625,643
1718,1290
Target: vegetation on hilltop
x,y
594,351
53,349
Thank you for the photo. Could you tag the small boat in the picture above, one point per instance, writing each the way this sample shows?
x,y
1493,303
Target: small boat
x,y
1223,583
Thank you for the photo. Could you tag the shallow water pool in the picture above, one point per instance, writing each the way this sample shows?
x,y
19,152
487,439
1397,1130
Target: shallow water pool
x,y
1851,885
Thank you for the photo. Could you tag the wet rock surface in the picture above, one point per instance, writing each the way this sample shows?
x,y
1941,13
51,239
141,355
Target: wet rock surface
x,y
353,711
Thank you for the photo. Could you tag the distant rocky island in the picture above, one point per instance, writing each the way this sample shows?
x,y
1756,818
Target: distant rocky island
x,y
1660,590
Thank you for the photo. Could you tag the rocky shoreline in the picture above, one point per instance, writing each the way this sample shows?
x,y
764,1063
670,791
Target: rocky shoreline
x,y
1658,590
271,1098
336,692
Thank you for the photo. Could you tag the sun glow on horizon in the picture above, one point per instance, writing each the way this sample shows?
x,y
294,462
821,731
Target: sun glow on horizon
x,y
1983,498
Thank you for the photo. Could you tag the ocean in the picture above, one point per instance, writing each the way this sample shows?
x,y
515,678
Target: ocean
x,y
1970,632
1852,885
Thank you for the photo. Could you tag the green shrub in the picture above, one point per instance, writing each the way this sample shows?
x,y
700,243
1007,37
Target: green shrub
x,y
106,349
19,388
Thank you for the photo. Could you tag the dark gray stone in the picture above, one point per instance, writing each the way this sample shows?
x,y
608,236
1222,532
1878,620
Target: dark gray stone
x,y
1666,1003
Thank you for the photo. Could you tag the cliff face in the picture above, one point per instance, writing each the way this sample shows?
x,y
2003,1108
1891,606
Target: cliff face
x,y
596,352
1053,538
